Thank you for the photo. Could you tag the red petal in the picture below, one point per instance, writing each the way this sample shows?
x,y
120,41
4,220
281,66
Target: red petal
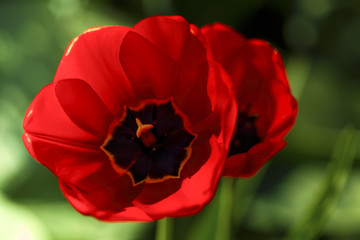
x,y
222,121
150,71
94,57
83,106
286,104
150,55
223,40
97,205
113,197
248,164
128,214
155,192
167,33
191,88
249,67
88,169
46,118
77,200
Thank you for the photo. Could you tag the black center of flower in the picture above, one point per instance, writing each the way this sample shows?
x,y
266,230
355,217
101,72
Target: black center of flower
x,y
151,143
245,134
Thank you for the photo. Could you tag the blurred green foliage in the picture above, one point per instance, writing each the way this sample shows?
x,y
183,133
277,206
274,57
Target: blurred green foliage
x,y
306,192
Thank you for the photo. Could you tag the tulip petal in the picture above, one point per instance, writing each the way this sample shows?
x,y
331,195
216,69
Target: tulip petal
x,y
287,106
86,168
93,57
167,33
248,164
106,202
83,106
150,71
223,41
45,117
193,76
128,214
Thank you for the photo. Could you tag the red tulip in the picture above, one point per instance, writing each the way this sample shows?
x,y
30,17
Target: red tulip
x,y
266,107
137,122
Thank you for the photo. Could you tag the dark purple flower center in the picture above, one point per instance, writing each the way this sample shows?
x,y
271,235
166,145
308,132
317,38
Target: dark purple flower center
x,y
151,143
245,134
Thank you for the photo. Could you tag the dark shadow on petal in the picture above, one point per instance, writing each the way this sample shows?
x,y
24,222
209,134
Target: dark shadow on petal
x,y
166,161
139,170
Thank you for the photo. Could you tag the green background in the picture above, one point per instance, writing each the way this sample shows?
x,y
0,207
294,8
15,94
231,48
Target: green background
x,y
310,190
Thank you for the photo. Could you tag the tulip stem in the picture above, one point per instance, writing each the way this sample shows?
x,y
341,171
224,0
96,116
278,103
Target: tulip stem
x,y
164,229
223,229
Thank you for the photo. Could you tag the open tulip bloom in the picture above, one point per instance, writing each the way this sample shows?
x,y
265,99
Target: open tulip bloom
x,y
140,123
266,107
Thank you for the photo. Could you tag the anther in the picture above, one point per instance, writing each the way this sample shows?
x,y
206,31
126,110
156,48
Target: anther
x,y
145,134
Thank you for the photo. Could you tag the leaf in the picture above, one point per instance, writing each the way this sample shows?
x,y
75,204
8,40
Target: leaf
x,y
324,203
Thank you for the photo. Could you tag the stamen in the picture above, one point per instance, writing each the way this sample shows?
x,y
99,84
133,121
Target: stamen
x,y
143,132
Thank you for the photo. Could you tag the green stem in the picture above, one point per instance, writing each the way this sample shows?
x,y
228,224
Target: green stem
x,y
223,228
164,229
